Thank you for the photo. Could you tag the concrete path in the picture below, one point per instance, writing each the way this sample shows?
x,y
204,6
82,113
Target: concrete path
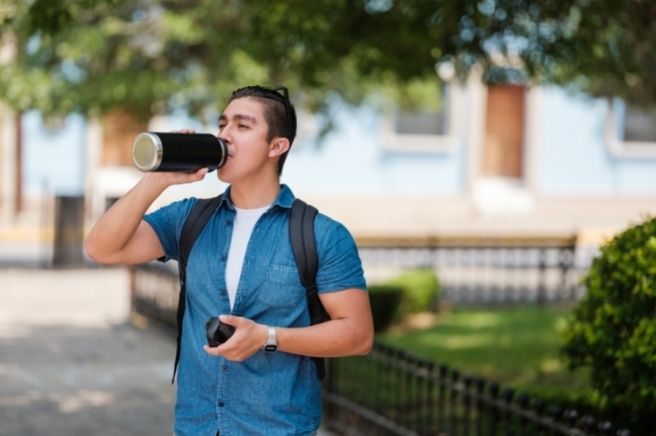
x,y
69,362
71,365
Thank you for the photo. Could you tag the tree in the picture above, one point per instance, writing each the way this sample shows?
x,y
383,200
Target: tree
x,y
151,55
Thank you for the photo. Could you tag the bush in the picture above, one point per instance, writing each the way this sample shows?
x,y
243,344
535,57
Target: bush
x,y
613,328
413,291
421,290
385,304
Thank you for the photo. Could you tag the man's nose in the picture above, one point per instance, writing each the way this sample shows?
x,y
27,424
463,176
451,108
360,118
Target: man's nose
x,y
224,135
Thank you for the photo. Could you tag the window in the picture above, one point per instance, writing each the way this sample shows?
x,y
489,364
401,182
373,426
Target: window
x,y
422,123
631,130
639,124
429,129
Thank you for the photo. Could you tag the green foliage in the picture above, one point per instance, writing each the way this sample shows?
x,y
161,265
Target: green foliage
x,y
385,303
421,289
412,292
613,328
152,55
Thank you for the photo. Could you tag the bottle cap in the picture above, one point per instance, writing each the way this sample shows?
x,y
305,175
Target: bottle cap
x,y
147,151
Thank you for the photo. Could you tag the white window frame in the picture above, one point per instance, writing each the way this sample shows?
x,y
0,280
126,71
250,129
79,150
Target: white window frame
x,y
613,135
425,143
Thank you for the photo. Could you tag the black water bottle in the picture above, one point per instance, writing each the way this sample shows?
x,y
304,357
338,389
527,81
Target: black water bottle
x,y
158,151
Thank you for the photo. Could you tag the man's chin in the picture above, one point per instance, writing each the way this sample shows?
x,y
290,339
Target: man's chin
x,y
223,176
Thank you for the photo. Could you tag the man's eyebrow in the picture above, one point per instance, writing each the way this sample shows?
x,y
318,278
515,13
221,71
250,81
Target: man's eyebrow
x,y
243,117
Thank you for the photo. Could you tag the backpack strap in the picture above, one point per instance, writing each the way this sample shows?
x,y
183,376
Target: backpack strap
x,y
193,226
301,234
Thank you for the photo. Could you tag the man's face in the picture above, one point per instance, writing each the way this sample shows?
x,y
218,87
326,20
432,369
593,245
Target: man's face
x,y
243,127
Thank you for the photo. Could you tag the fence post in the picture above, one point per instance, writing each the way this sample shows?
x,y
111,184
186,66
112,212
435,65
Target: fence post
x,y
69,231
441,401
555,413
430,406
494,413
480,405
523,401
605,428
588,423
542,281
571,417
453,403
537,406
566,263
507,395
467,403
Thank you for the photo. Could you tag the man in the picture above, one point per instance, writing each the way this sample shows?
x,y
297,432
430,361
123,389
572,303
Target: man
x,y
242,268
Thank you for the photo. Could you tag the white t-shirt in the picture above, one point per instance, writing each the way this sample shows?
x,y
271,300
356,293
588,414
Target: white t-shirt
x,y
241,233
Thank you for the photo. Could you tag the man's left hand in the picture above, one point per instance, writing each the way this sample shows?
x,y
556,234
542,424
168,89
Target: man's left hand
x,y
249,337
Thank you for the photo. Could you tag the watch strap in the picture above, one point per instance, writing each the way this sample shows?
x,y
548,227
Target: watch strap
x,y
271,343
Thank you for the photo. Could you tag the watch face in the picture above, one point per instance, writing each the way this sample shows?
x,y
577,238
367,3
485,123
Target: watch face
x,y
270,348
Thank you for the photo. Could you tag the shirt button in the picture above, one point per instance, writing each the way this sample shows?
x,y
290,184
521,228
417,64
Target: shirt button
x,y
221,404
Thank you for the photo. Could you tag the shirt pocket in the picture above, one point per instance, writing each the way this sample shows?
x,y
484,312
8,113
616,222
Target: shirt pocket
x,y
282,287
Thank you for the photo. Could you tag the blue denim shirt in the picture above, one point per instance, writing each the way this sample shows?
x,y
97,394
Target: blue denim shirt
x,y
269,393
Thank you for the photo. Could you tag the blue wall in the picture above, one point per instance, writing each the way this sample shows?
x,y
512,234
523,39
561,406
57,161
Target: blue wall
x,y
573,157
351,157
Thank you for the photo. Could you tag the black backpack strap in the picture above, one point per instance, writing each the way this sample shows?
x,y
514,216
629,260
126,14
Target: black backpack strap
x,y
192,228
301,234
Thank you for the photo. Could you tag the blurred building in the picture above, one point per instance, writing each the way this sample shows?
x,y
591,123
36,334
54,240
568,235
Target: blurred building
x,y
500,162
506,161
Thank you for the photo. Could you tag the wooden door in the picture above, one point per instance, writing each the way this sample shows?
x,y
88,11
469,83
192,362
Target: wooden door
x,y
504,132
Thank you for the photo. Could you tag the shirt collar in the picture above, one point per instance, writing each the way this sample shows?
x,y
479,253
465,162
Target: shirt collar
x,y
285,198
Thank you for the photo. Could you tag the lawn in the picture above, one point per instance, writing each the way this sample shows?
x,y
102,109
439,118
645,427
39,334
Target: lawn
x,y
516,347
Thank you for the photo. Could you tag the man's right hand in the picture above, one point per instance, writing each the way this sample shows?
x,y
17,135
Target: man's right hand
x,y
166,179
162,180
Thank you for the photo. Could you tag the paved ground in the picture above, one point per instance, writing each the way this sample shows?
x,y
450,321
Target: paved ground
x,y
70,364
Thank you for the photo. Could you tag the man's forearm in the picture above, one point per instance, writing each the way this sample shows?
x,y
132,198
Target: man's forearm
x,y
350,330
334,338
116,227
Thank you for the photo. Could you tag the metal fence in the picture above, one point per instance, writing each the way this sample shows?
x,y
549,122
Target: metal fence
x,y
154,290
479,274
392,392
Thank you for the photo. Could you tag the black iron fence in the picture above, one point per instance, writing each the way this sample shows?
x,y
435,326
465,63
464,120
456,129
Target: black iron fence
x,y
154,292
392,392
496,272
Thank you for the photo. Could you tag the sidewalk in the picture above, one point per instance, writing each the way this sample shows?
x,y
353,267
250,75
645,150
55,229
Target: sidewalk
x,y
71,364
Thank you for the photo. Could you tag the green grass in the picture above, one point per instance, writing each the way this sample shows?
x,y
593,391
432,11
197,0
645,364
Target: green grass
x,y
516,347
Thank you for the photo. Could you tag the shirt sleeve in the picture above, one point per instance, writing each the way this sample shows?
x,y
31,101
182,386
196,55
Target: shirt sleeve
x,y
167,222
340,267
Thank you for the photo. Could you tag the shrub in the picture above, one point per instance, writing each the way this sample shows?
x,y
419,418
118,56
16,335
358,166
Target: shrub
x,y
385,304
421,290
612,330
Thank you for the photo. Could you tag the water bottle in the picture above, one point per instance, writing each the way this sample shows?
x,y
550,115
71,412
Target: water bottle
x,y
158,151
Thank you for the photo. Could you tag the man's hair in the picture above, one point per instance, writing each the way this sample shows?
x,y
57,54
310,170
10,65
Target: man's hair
x,y
279,113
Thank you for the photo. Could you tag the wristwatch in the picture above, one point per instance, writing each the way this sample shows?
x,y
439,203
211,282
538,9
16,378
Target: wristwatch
x,y
271,343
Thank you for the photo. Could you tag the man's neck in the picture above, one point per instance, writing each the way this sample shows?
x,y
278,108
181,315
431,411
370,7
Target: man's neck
x,y
253,197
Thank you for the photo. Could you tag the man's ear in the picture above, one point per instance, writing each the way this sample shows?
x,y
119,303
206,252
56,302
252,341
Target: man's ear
x,y
278,146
